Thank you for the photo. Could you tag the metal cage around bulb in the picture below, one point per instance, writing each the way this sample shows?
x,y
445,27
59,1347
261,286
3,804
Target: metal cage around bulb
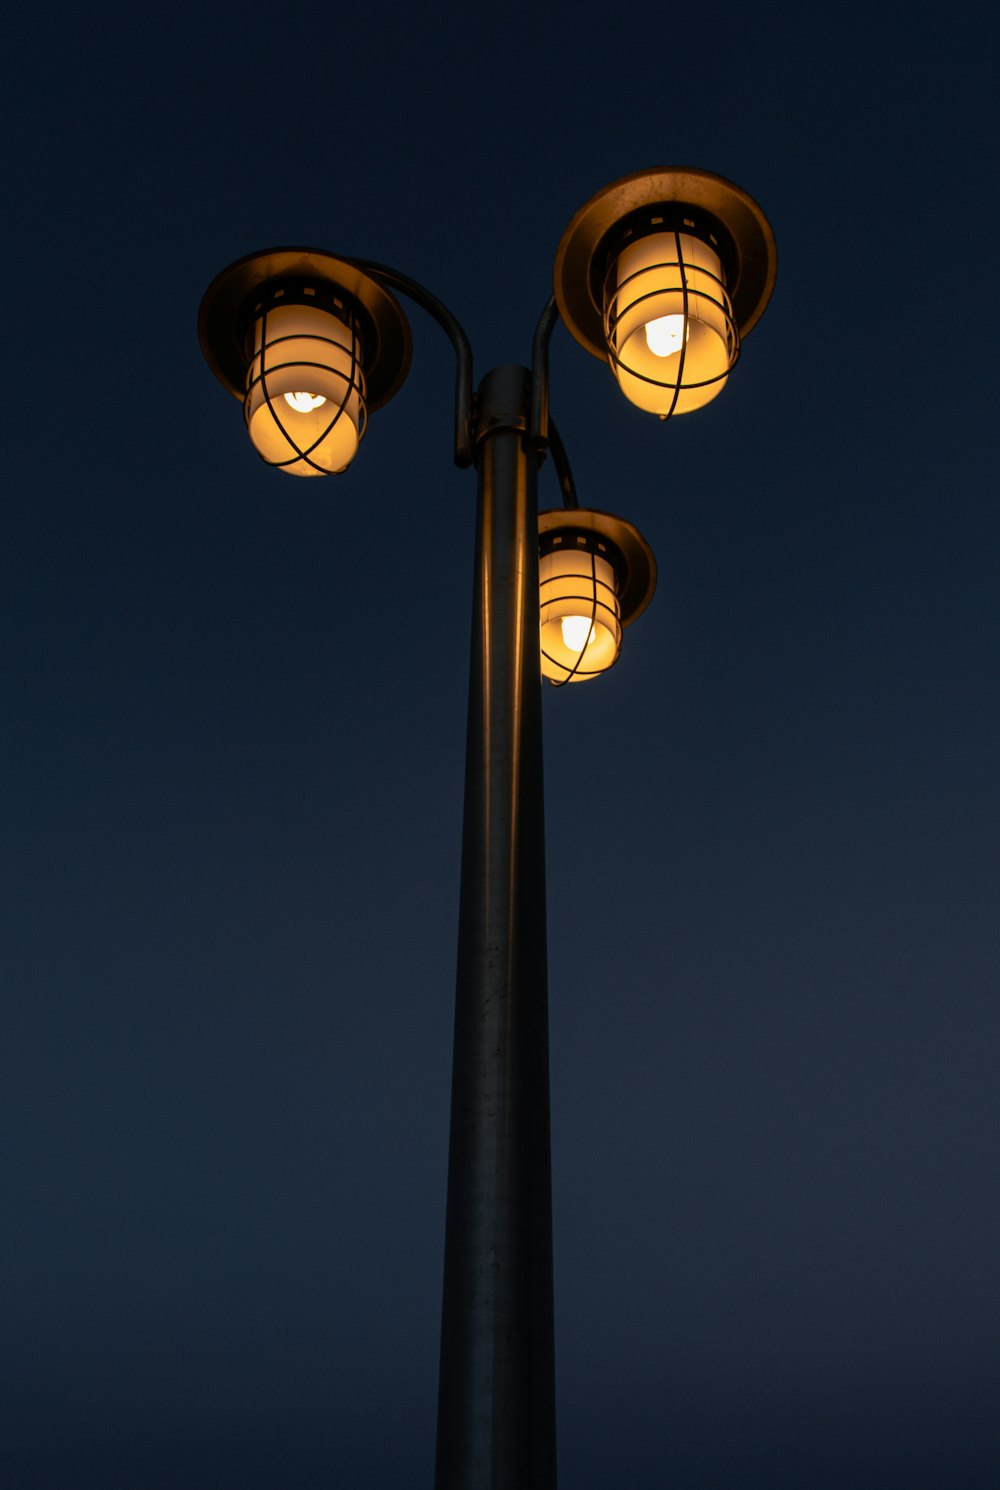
x,y
305,397
579,610
596,574
662,275
669,328
310,344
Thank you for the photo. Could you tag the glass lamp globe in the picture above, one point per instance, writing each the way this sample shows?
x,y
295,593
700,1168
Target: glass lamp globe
x,y
669,324
304,405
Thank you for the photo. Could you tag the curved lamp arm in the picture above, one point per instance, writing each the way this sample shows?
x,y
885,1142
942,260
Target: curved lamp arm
x,y
560,461
544,435
540,375
394,280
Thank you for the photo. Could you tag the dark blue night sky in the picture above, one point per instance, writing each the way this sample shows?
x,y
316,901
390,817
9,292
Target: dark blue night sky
x,y
232,734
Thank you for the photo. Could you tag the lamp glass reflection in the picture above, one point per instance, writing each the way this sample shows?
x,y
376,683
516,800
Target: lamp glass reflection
x,y
670,351
304,390
579,612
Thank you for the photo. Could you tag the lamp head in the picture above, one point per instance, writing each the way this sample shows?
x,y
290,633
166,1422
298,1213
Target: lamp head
x,y
596,574
310,344
662,274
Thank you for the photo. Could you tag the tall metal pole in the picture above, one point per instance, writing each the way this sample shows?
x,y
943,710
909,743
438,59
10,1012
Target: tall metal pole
x,y
496,1404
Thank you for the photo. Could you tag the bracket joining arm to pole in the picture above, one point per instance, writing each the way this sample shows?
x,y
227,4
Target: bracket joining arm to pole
x,y
394,280
543,434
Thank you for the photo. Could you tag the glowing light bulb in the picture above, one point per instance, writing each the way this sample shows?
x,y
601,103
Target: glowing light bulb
x,y
577,632
665,335
304,403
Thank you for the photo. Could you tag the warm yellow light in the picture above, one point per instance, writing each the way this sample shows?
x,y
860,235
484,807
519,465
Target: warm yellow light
x,y
577,632
579,615
313,432
663,336
671,335
303,403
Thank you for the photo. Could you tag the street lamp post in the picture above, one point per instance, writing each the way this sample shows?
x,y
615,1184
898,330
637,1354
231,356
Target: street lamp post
x,y
660,274
496,1403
